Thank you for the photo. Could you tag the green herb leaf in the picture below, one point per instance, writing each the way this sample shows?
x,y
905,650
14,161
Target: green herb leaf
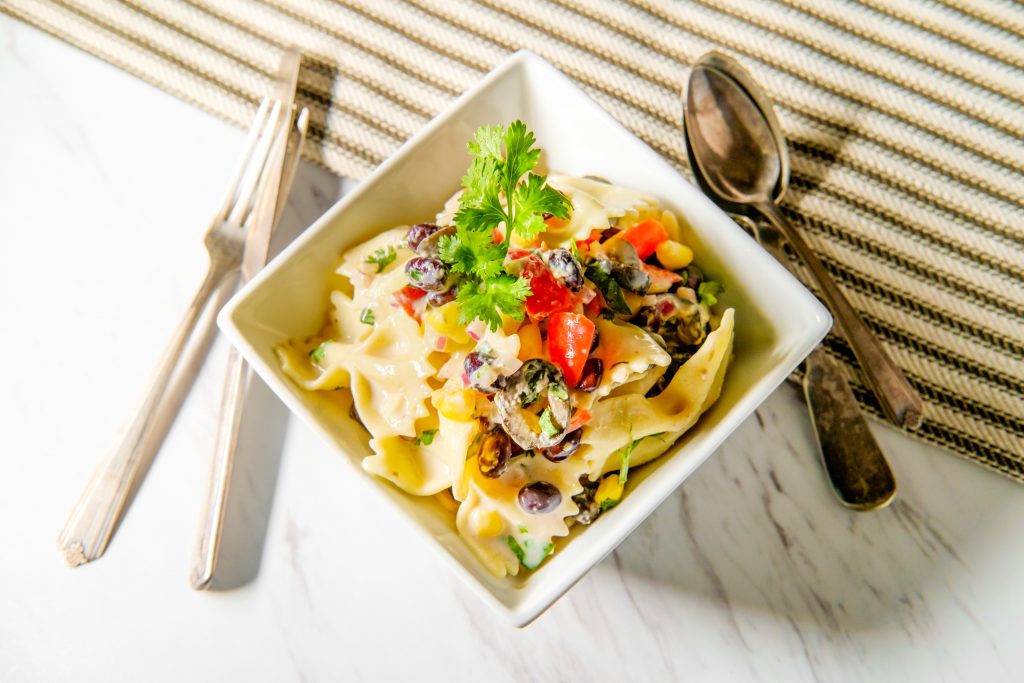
x,y
517,549
547,423
520,154
708,292
531,200
608,504
484,299
426,437
487,142
624,455
473,253
367,317
317,354
608,287
523,530
382,257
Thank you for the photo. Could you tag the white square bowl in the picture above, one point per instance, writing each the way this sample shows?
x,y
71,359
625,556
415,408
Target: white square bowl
x,y
778,322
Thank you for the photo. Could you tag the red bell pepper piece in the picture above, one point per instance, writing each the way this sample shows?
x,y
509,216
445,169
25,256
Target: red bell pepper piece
x,y
569,339
645,237
407,297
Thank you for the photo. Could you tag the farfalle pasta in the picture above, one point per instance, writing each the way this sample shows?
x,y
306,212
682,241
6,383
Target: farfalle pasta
x,y
531,425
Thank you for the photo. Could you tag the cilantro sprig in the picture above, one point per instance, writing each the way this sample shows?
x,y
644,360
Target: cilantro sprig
x,y
500,190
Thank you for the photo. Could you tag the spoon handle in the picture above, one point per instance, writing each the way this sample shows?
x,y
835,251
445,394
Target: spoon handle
x,y
898,398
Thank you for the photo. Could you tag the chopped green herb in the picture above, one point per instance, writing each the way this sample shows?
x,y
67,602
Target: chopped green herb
x,y
317,354
503,158
575,251
558,390
548,549
523,530
547,423
517,549
367,317
608,504
381,257
607,314
426,437
708,292
627,451
608,287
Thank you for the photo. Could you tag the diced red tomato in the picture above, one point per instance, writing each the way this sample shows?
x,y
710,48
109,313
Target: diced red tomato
x,y
547,294
407,297
569,339
661,279
595,235
645,237
496,236
578,419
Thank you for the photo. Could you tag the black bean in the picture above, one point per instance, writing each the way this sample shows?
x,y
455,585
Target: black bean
x,y
442,297
495,453
539,497
474,362
692,277
427,273
566,269
418,233
593,370
566,447
607,234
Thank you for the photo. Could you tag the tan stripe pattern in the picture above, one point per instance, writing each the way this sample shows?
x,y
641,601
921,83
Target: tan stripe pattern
x,y
906,121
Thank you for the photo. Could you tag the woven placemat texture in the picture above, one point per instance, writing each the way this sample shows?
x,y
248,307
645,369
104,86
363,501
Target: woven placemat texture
x,y
906,122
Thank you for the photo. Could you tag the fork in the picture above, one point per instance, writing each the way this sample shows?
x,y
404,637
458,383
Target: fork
x,y
91,523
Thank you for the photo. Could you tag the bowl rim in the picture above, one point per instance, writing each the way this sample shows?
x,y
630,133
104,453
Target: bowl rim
x,y
534,603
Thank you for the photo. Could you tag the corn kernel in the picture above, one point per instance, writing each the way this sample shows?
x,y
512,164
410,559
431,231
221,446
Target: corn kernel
x,y
455,403
609,491
445,320
486,523
674,255
530,344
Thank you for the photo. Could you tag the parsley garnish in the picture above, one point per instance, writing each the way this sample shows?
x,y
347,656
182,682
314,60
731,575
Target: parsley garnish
x,y
381,257
367,317
503,159
627,451
708,292
426,437
608,287
317,354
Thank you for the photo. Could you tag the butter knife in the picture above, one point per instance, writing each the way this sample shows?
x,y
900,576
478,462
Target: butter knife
x,y
272,199
854,462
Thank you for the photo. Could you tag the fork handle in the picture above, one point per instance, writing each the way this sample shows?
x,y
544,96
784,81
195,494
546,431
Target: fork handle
x,y
204,559
91,523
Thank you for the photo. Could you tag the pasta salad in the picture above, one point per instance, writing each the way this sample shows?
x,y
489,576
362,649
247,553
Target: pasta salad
x,y
521,353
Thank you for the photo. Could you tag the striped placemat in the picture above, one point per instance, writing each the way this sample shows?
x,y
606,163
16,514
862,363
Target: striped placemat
x,y
905,117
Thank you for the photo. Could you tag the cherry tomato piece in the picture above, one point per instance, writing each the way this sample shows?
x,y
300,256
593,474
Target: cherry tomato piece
x,y
569,339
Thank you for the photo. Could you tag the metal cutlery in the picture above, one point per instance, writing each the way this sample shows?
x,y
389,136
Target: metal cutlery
x,y
282,170
738,155
92,520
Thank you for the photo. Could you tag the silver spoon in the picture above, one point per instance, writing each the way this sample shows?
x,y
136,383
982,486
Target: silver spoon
x,y
741,160
856,466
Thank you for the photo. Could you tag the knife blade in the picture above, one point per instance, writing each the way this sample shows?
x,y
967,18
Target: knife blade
x,y
273,192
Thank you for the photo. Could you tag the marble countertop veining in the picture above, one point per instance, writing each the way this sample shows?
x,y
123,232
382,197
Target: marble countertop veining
x,y
751,571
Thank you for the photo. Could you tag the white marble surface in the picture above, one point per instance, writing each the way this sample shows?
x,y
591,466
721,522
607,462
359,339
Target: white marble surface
x,y
750,572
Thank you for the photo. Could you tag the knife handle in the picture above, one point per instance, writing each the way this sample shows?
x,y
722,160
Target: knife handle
x,y
856,467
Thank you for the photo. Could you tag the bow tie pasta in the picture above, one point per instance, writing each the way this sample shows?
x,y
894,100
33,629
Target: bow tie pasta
x,y
601,347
